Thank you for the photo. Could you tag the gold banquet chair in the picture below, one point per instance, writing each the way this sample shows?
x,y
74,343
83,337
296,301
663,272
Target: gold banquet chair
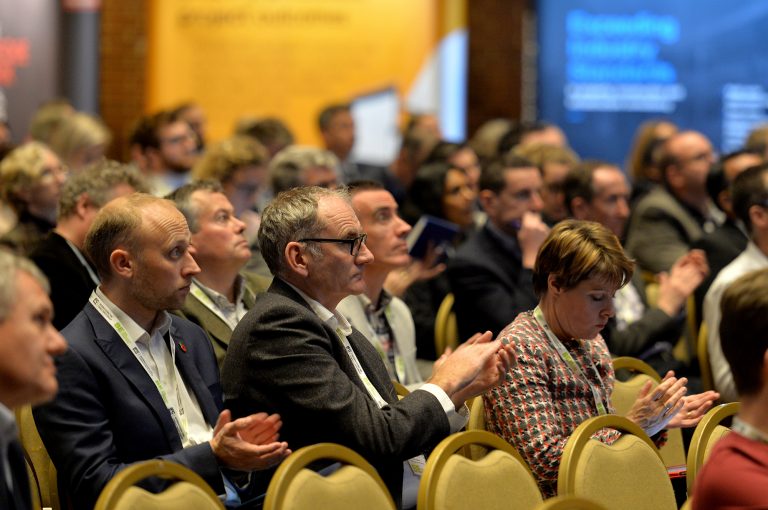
x,y
190,492
501,479
569,503
625,394
626,474
702,351
708,432
476,422
42,472
353,486
446,330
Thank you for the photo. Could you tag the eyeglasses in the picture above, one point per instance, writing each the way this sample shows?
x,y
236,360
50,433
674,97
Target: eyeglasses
x,y
355,244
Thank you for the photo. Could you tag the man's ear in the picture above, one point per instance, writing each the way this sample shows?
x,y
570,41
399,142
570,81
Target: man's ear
x,y
123,264
296,258
674,177
581,209
758,217
81,205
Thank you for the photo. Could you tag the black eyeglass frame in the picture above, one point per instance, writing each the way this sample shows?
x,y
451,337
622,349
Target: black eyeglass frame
x,y
355,243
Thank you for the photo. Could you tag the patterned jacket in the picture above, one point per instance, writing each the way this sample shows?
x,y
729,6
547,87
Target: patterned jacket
x,y
542,401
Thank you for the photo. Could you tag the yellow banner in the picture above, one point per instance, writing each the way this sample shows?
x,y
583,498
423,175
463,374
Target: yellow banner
x,y
289,58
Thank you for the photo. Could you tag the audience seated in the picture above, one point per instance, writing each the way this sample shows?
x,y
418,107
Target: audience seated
x,y
383,318
737,469
240,165
271,132
193,114
47,119
80,140
440,190
749,195
553,163
490,274
563,373
137,383
60,254
729,239
28,342
165,149
221,293
296,355
337,129
670,218
536,132
303,166
31,178
598,191
643,160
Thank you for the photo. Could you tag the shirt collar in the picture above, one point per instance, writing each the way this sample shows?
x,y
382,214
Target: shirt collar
x,y
135,332
7,425
332,318
385,298
220,299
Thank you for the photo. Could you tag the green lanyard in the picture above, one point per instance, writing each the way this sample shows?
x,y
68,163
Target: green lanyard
x,y
568,359
176,412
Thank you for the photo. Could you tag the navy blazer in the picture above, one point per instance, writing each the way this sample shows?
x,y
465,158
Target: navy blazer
x,y
19,497
283,359
108,412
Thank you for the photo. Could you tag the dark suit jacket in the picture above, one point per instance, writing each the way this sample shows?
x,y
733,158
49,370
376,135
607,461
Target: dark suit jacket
x,y
71,285
640,336
721,247
108,412
283,359
217,330
19,498
489,284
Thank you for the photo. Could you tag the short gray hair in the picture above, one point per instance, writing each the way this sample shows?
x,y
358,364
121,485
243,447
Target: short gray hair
x,y
182,197
287,167
291,216
10,265
98,181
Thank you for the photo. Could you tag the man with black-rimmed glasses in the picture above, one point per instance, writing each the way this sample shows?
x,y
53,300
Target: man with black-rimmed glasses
x,y
294,352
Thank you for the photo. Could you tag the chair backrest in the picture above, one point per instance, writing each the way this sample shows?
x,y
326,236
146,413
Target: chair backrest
x,y
500,479
191,491
34,485
569,503
400,389
626,474
702,351
624,395
446,330
355,485
39,463
708,432
476,421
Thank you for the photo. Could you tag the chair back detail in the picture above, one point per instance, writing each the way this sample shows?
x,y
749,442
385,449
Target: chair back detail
x,y
708,432
626,474
501,479
356,484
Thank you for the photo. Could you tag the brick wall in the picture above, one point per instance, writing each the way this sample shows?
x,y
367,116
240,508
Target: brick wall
x,y
123,69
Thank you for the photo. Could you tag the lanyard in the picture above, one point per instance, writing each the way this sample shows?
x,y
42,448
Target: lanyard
x,y
176,412
85,263
416,463
568,359
372,391
399,363
748,431
206,300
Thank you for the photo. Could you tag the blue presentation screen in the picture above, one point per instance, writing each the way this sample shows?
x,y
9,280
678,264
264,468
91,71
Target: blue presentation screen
x,y
605,66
